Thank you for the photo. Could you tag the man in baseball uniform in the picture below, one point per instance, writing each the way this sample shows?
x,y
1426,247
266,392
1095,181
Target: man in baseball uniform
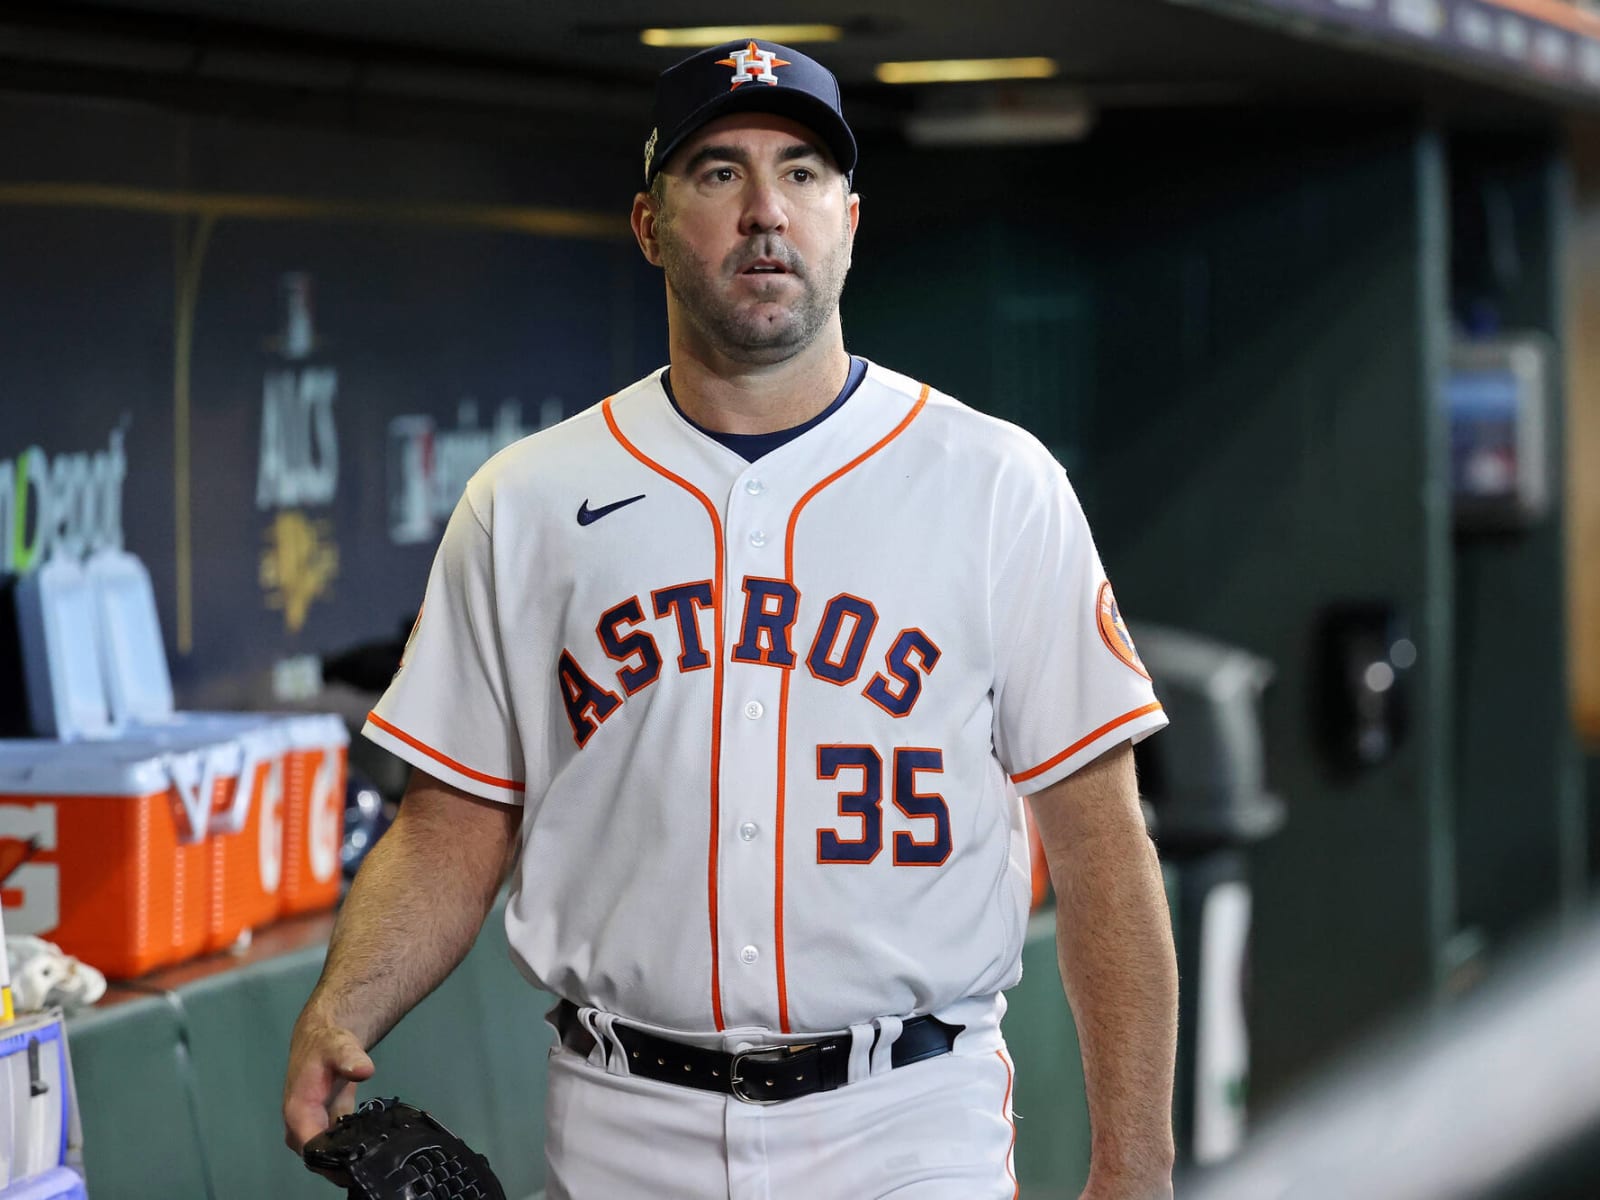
x,y
742,673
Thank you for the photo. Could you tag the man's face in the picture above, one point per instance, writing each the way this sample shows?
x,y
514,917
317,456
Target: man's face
x,y
753,229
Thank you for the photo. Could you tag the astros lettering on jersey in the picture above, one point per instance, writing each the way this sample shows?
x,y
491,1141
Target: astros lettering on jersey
x,y
770,722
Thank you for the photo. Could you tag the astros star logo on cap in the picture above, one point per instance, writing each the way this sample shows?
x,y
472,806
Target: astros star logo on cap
x,y
753,64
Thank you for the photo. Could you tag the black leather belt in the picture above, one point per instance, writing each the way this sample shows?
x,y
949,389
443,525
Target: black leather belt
x,y
763,1075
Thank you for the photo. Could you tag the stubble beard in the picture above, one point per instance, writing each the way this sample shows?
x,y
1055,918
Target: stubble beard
x,y
733,326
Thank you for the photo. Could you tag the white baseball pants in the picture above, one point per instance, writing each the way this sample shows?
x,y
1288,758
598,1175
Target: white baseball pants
x,y
935,1130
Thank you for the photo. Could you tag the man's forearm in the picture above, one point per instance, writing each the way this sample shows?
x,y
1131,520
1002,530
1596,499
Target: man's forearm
x,y
1114,941
413,912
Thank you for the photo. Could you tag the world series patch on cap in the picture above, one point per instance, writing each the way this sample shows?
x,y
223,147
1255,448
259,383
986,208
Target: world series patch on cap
x,y
746,76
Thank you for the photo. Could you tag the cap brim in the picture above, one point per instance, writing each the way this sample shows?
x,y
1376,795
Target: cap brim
x,y
797,105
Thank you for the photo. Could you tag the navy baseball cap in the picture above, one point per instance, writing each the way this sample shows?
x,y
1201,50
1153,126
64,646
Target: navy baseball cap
x,y
746,76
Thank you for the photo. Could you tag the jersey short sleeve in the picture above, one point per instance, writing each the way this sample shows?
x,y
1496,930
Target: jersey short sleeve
x,y
1069,684
448,709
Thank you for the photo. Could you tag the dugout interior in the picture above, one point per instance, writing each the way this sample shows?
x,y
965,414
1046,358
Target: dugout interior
x,y
1228,305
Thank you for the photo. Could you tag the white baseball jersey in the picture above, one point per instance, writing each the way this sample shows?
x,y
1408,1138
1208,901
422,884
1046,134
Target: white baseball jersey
x,y
769,722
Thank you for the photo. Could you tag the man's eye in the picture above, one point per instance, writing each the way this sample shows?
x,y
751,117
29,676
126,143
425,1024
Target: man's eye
x,y
804,174
722,174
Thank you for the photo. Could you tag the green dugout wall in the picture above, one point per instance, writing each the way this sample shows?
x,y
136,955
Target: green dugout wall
x,y
1232,327
1521,821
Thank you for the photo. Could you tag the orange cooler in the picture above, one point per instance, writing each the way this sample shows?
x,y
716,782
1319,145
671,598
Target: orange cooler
x,y
313,814
121,876
246,839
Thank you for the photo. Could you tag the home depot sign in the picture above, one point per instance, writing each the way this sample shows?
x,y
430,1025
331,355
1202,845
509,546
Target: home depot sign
x,y
70,504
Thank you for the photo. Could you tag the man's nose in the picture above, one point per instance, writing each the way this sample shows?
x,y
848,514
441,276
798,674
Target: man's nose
x,y
764,211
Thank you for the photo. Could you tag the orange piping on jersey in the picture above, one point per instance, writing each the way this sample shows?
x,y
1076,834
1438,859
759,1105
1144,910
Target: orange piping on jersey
x,y
508,784
1005,1109
716,692
1084,741
783,698
777,855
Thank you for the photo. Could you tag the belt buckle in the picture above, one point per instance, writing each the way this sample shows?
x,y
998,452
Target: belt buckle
x,y
769,1055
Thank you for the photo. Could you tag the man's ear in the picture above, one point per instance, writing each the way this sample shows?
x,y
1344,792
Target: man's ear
x,y
853,217
643,220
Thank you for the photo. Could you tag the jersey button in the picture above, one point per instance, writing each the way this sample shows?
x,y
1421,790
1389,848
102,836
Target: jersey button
x,y
749,830
753,710
749,954
754,486
758,539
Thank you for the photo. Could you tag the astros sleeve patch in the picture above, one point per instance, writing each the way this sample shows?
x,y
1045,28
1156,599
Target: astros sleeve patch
x,y
1113,632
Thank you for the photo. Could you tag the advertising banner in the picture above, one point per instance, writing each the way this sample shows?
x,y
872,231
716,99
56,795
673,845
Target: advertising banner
x,y
276,401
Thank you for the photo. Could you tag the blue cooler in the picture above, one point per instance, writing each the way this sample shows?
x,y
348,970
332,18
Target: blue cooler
x,y
58,1183
39,1132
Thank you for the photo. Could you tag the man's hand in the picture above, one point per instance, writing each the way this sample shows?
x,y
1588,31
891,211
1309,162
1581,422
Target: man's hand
x,y
394,941
325,1064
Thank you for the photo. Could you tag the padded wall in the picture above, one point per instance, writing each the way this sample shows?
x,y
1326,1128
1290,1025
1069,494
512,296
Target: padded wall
x,y
181,1093
136,1096
1250,317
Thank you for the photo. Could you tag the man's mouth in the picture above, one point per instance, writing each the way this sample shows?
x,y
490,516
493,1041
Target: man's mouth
x,y
765,266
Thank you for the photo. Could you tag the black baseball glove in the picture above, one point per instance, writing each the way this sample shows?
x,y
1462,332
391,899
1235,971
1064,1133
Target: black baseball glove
x,y
388,1150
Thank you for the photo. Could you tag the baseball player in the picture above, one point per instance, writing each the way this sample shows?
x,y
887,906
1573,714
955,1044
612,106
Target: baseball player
x,y
742,673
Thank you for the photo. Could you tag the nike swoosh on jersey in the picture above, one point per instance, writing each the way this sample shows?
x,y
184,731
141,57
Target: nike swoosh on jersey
x,y
588,516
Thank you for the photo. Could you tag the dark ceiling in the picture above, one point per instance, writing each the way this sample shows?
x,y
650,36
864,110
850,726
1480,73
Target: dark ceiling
x,y
560,57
